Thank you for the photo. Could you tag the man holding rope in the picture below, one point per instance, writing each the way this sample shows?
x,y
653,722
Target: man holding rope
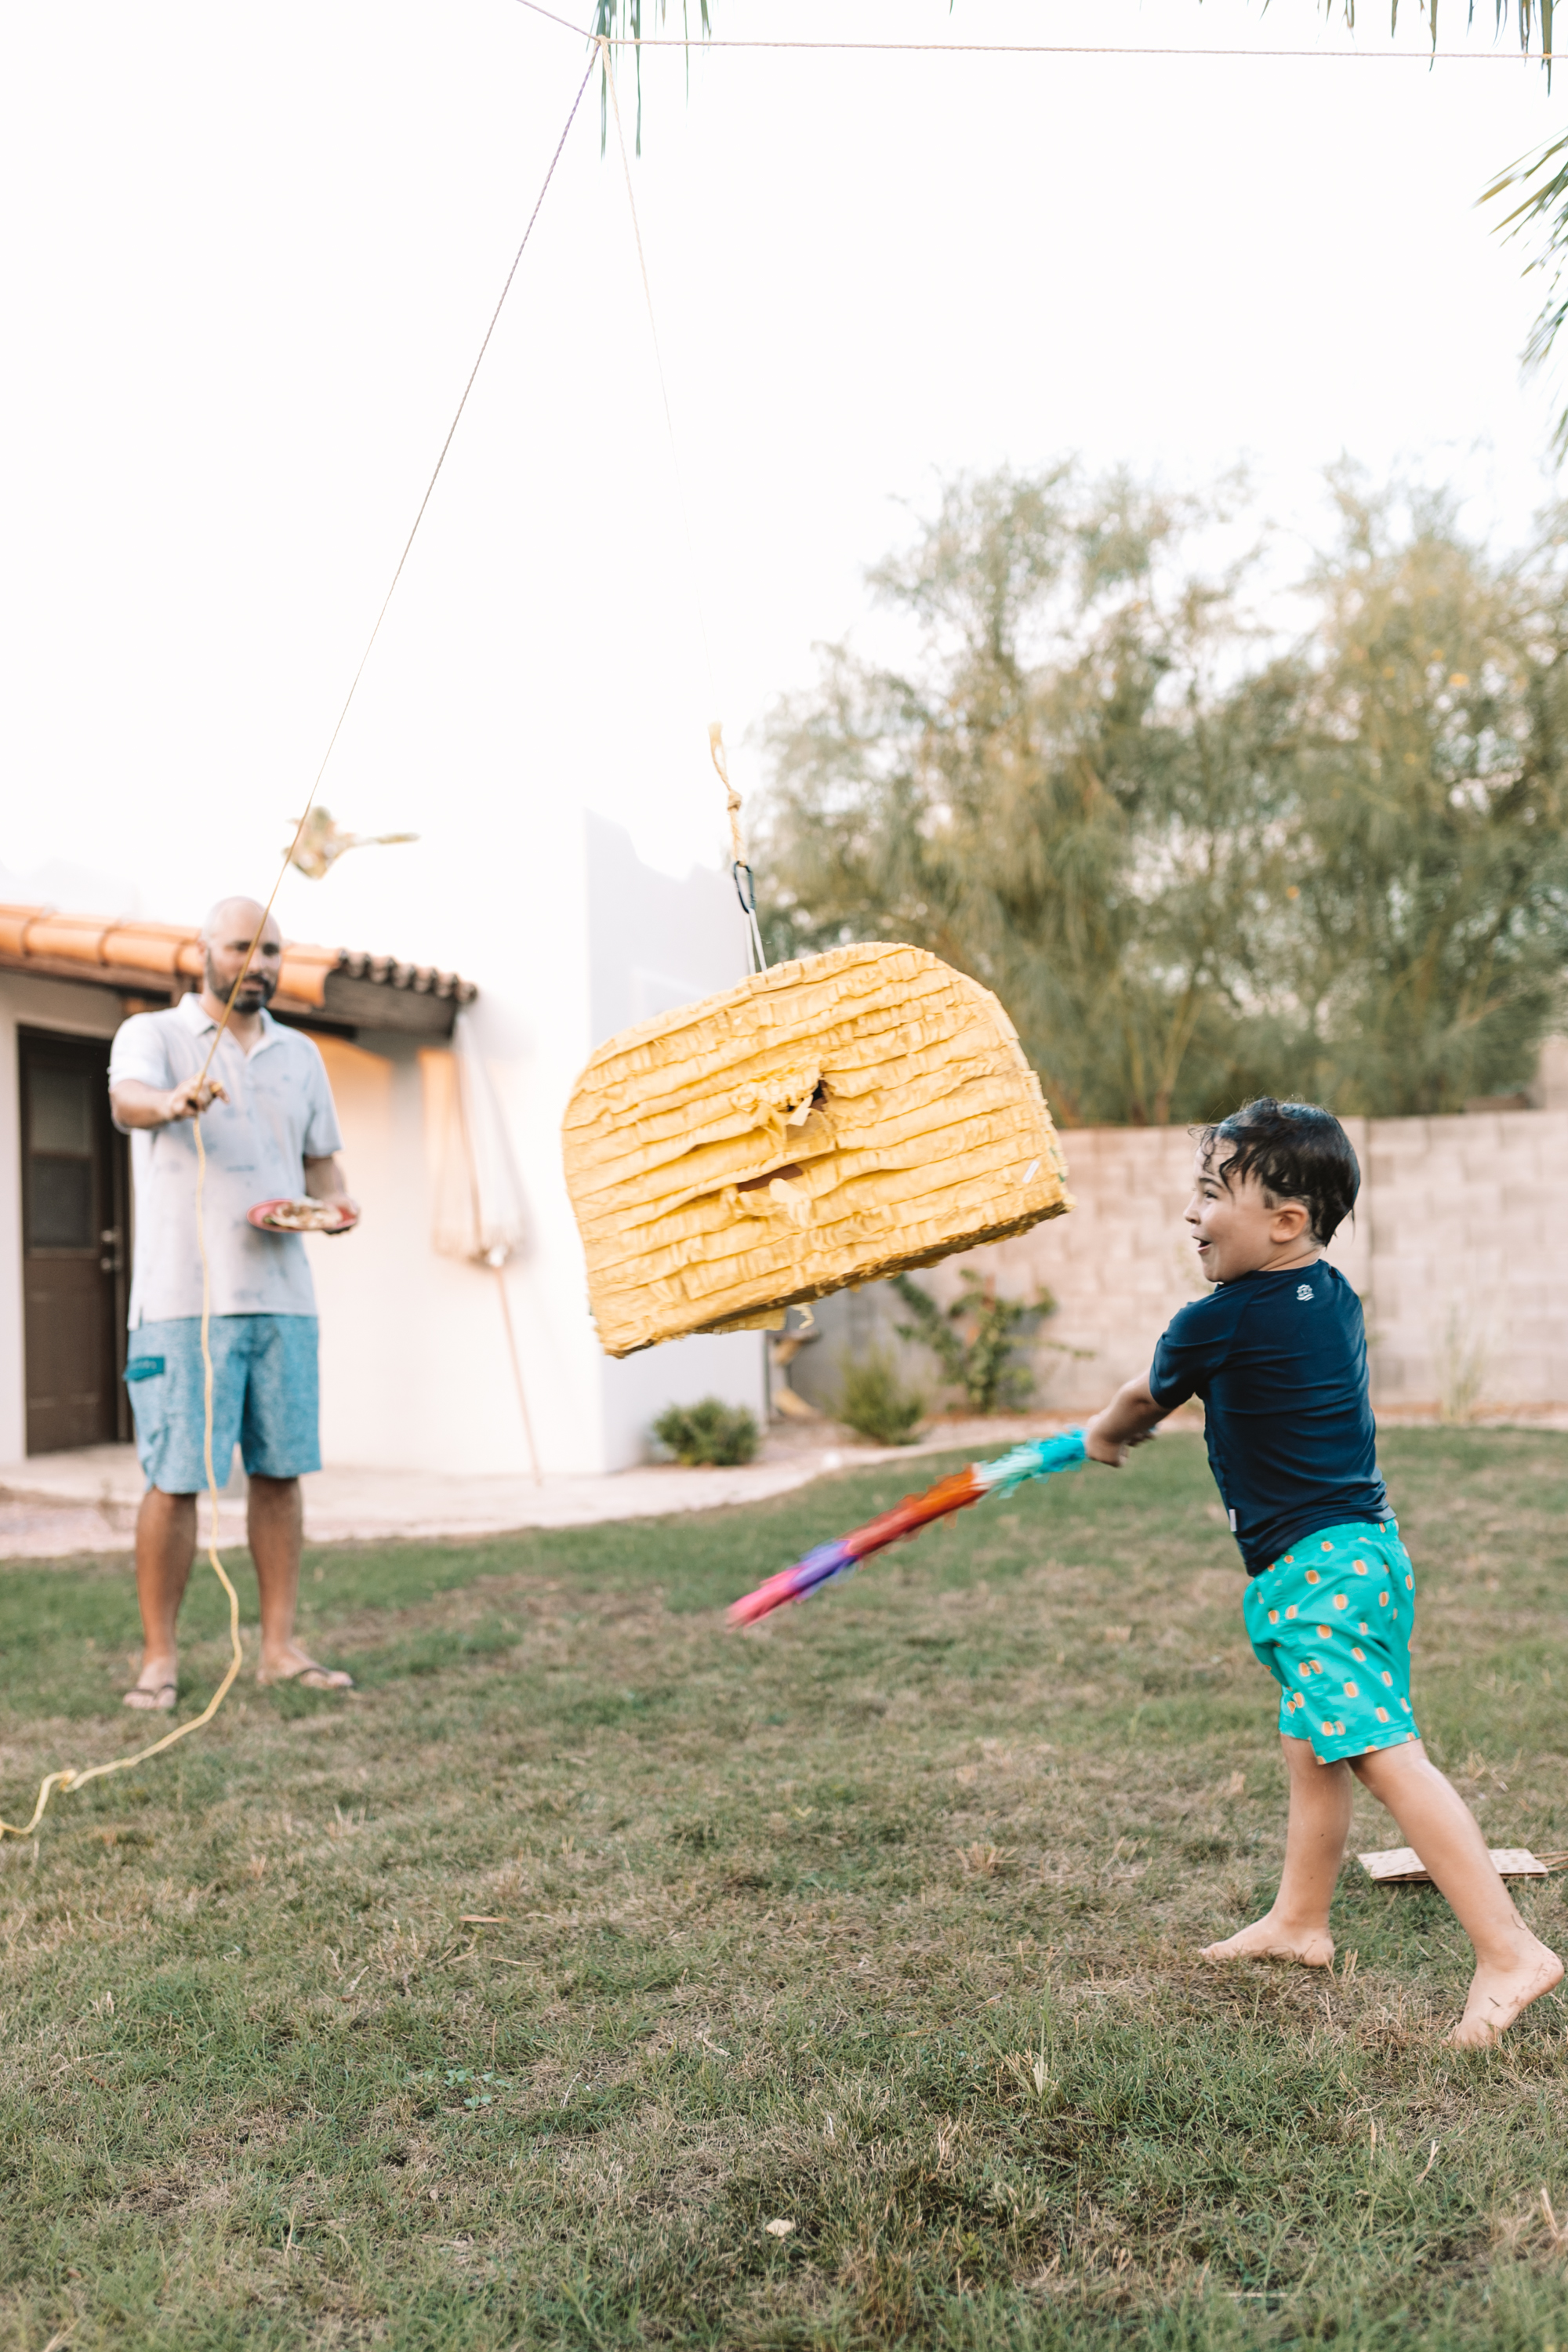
x,y
271,1131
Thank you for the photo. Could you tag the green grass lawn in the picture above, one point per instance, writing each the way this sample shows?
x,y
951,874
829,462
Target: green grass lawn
x,y
510,2002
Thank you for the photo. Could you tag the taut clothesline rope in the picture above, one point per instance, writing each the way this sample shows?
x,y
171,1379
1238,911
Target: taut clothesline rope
x,y
1048,48
71,1777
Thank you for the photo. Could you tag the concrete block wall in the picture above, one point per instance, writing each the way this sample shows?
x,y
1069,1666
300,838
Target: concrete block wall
x,y
1459,1251
1469,1256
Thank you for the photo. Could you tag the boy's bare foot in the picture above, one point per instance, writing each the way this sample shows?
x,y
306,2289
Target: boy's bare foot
x,y
1498,1995
155,1688
1270,1939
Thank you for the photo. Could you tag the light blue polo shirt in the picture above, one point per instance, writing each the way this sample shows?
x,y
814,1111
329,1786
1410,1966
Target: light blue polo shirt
x,y
280,1113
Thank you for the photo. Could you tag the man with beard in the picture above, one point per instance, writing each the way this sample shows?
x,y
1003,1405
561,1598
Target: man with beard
x,y
270,1132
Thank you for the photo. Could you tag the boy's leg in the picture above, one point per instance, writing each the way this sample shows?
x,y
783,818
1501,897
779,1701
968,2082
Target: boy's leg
x,y
1513,1967
1296,1925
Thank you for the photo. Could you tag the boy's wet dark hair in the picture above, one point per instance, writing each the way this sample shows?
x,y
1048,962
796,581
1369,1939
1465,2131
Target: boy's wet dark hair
x,y
1297,1151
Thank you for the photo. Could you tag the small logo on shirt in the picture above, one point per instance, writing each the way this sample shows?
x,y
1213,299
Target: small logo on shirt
x,y
1304,1290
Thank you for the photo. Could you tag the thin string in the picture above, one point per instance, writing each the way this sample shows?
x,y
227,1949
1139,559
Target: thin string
x,y
738,867
496,1261
1048,48
71,1777
499,1273
402,560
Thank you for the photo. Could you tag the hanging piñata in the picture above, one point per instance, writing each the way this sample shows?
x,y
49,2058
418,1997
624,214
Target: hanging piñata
x,y
823,1124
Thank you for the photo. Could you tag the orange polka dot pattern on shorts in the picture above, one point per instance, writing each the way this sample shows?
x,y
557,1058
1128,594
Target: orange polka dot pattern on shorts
x,y
1286,1610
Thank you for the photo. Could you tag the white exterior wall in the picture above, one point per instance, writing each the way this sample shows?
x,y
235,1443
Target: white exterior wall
x,y
415,1371
414,1354
655,944
413,1345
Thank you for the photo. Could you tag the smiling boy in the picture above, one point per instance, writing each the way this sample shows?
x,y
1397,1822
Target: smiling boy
x,y
1277,1353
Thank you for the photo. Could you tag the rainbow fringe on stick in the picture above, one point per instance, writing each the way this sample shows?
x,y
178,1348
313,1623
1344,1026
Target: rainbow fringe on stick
x,y
1040,1459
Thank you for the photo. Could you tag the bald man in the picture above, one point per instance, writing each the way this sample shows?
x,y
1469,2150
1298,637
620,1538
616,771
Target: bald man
x,y
271,1131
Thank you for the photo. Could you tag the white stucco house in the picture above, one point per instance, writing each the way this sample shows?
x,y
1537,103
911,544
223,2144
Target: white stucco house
x,y
417,1372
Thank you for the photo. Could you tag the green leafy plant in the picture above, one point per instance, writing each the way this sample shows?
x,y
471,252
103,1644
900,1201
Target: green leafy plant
x,y
1194,867
874,1403
710,1434
976,1339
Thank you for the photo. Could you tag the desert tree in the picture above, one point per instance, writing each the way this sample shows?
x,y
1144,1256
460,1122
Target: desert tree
x,y
1060,792
1429,834
1194,859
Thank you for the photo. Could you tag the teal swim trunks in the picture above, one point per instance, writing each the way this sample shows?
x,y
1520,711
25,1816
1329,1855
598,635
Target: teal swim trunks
x,y
1332,1619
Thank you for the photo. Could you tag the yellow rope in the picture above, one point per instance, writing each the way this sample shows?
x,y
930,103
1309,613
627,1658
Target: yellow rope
x,y
73,1777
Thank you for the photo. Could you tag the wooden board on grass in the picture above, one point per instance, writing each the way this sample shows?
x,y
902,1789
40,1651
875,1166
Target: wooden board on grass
x,y
1401,1866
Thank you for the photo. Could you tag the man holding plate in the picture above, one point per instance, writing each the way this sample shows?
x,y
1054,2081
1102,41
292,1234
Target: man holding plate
x,y
271,1139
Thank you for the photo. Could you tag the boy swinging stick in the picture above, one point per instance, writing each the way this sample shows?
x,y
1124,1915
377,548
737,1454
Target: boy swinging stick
x,y
1277,1353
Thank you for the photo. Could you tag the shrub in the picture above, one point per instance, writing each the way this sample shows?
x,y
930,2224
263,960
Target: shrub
x,y
708,1435
976,1339
873,1401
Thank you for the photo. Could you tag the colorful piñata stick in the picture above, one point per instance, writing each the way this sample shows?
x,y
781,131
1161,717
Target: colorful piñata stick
x,y
1039,1459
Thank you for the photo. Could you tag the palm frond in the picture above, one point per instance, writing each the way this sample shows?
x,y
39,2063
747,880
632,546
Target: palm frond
x,y
1540,182
1531,16
1542,178
621,20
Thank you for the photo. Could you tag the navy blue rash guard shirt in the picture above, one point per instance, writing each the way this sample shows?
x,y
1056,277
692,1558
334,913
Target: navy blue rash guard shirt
x,y
1279,1360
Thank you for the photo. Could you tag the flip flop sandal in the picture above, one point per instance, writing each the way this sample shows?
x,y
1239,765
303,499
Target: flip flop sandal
x,y
157,1699
311,1677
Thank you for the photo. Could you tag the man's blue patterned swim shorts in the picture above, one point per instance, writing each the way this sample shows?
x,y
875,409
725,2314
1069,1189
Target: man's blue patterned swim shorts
x,y
1332,1621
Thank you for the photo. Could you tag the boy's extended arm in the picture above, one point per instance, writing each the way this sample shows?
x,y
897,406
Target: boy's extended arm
x,y
1126,1420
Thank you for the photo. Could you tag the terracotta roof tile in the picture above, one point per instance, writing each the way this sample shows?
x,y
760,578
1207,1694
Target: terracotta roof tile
x,y
123,954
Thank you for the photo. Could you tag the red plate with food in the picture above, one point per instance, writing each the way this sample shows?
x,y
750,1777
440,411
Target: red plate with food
x,y
302,1217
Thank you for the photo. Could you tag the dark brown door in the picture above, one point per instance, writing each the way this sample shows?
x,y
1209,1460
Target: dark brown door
x,y
74,1202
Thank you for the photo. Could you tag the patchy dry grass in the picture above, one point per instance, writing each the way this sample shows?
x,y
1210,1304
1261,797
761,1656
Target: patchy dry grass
x,y
524,2000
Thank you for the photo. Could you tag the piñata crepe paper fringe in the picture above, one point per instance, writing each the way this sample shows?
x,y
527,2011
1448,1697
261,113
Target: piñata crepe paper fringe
x,y
1039,1459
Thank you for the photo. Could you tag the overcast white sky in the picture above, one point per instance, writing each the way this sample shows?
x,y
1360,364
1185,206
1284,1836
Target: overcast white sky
x,y
249,253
